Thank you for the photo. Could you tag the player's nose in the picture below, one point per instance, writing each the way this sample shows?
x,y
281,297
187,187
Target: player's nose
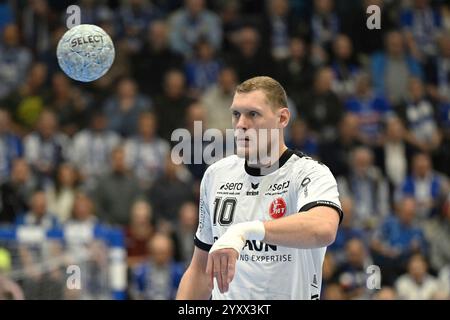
x,y
242,123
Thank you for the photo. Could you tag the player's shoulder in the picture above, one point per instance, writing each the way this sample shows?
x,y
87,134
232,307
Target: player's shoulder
x,y
304,165
223,165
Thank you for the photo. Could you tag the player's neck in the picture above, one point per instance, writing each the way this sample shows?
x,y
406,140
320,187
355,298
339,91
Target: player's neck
x,y
273,158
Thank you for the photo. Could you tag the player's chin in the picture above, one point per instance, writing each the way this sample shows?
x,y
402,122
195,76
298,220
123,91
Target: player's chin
x,y
242,151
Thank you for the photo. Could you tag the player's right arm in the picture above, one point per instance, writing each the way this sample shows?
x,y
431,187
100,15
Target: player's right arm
x,y
195,284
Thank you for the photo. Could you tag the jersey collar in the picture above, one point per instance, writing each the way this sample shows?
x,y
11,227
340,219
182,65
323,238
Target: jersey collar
x,y
281,161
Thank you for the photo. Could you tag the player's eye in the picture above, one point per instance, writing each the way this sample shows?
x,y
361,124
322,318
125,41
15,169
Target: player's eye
x,y
253,114
235,114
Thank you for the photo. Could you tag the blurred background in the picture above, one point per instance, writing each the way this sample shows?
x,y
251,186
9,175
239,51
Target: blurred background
x,y
86,177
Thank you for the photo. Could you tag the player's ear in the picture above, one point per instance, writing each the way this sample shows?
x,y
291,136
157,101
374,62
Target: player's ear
x,y
285,115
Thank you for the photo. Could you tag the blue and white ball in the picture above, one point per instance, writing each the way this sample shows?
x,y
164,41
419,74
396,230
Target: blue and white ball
x,y
85,52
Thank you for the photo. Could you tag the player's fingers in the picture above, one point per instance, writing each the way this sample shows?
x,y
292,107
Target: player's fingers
x,y
224,271
209,271
216,270
231,268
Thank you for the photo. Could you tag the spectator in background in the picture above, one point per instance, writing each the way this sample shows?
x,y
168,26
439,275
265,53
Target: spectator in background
x,y
70,104
171,105
231,14
301,139
92,147
202,71
185,231
394,154
10,145
146,152
423,24
15,60
191,23
116,191
345,66
218,99
392,68
61,195
367,187
38,215
155,59
123,110
324,27
139,232
48,57
425,185
296,72
46,147
371,110
336,153
397,239
178,180
278,25
417,284
385,293
419,116
27,102
15,193
249,58
134,18
346,232
92,13
443,153
159,277
437,231
352,273
321,107
437,71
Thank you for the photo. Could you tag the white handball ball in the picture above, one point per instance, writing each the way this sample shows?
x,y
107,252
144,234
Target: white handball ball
x,y
85,52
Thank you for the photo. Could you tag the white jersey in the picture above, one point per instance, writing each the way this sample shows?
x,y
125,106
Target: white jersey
x,y
231,192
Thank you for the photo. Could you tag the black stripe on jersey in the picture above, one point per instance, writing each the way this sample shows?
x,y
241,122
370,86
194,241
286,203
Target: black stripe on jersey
x,y
201,245
281,161
325,203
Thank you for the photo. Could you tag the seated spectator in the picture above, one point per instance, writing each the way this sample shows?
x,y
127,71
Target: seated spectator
x,y
336,153
15,193
192,22
171,105
352,274
437,71
91,149
38,214
46,147
146,152
345,67
116,191
166,205
417,283
324,26
10,145
392,68
418,113
61,195
346,231
442,157
367,187
424,184
202,71
139,232
155,59
371,110
301,139
28,101
396,240
157,278
185,230
437,231
218,99
394,155
321,108
15,60
123,110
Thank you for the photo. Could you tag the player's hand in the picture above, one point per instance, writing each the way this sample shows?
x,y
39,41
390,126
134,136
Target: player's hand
x,y
222,265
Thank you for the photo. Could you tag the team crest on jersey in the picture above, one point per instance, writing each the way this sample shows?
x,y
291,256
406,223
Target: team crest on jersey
x,y
277,208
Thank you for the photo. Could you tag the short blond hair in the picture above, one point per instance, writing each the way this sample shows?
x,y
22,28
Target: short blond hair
x,y
275,93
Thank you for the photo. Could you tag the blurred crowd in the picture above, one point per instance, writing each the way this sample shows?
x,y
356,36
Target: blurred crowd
x,y
373,105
